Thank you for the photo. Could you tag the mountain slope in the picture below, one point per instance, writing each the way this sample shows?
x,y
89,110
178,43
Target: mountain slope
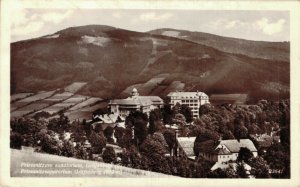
x,y
113,60
256,49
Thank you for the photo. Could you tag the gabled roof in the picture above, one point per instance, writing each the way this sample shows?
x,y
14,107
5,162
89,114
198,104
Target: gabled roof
x,y
221,151
113,117
106,118
234,145
187,144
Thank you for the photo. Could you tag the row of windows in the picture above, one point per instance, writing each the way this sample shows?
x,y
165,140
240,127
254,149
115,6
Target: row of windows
x,y
191,97
224,156
194,101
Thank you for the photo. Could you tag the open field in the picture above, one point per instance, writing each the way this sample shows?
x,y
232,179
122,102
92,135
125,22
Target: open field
x,y
31,99
28,164
78,106
33,107
75,87
146,88
57,107
59,97
86,103
65,104
76,99
84,113
18,113
17,105
38,96
18,96
79,115
94,107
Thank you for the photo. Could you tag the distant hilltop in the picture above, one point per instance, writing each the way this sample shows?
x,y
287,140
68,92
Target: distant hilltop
x,y
112,61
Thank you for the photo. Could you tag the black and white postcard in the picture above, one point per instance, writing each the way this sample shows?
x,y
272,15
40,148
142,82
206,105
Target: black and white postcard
x,y
141,93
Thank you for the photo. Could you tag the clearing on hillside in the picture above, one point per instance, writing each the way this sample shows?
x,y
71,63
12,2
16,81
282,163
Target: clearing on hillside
x,y
75,87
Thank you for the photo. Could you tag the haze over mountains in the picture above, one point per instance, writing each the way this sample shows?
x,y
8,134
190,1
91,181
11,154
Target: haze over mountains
x,y
112,61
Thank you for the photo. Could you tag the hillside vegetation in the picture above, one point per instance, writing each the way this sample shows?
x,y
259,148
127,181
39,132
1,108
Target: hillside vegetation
x,y
112,60
255,49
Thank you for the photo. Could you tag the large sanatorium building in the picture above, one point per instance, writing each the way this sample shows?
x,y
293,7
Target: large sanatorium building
x,y
192,99
147,103
135,102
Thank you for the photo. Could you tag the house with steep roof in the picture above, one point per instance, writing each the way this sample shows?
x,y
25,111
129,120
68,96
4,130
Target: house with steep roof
x,y
105,120
225,151
135,103
186,147
192,99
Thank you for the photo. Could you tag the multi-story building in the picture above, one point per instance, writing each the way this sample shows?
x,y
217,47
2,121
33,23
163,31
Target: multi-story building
x,y
192,99
135,102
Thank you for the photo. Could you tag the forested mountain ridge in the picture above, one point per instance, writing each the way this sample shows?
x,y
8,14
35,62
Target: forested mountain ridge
x,y
113,60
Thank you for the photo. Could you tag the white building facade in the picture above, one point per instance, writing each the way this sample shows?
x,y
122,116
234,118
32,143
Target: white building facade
x,y
192,99
226,151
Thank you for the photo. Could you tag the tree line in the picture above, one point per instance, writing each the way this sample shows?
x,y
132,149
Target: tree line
x,y
147,144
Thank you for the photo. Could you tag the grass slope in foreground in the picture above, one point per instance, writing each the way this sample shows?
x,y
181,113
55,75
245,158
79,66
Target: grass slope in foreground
x,y
27,164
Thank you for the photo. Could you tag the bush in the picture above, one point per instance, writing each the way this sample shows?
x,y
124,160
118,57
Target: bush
x,y
109,155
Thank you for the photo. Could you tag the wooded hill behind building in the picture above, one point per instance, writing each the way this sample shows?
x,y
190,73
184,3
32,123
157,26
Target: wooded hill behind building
x,y
113,61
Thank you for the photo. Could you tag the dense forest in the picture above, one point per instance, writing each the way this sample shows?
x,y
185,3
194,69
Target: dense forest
x,y
146,141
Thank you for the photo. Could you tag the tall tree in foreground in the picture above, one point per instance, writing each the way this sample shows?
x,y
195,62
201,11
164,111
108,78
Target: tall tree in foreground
x,y
154,121
187,112
259,168
98,142
138,122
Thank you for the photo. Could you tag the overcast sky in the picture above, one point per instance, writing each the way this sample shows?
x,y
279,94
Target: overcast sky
x,y
252,25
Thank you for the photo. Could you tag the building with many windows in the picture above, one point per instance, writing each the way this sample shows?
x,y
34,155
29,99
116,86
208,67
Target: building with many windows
x,y
192,99
135,102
